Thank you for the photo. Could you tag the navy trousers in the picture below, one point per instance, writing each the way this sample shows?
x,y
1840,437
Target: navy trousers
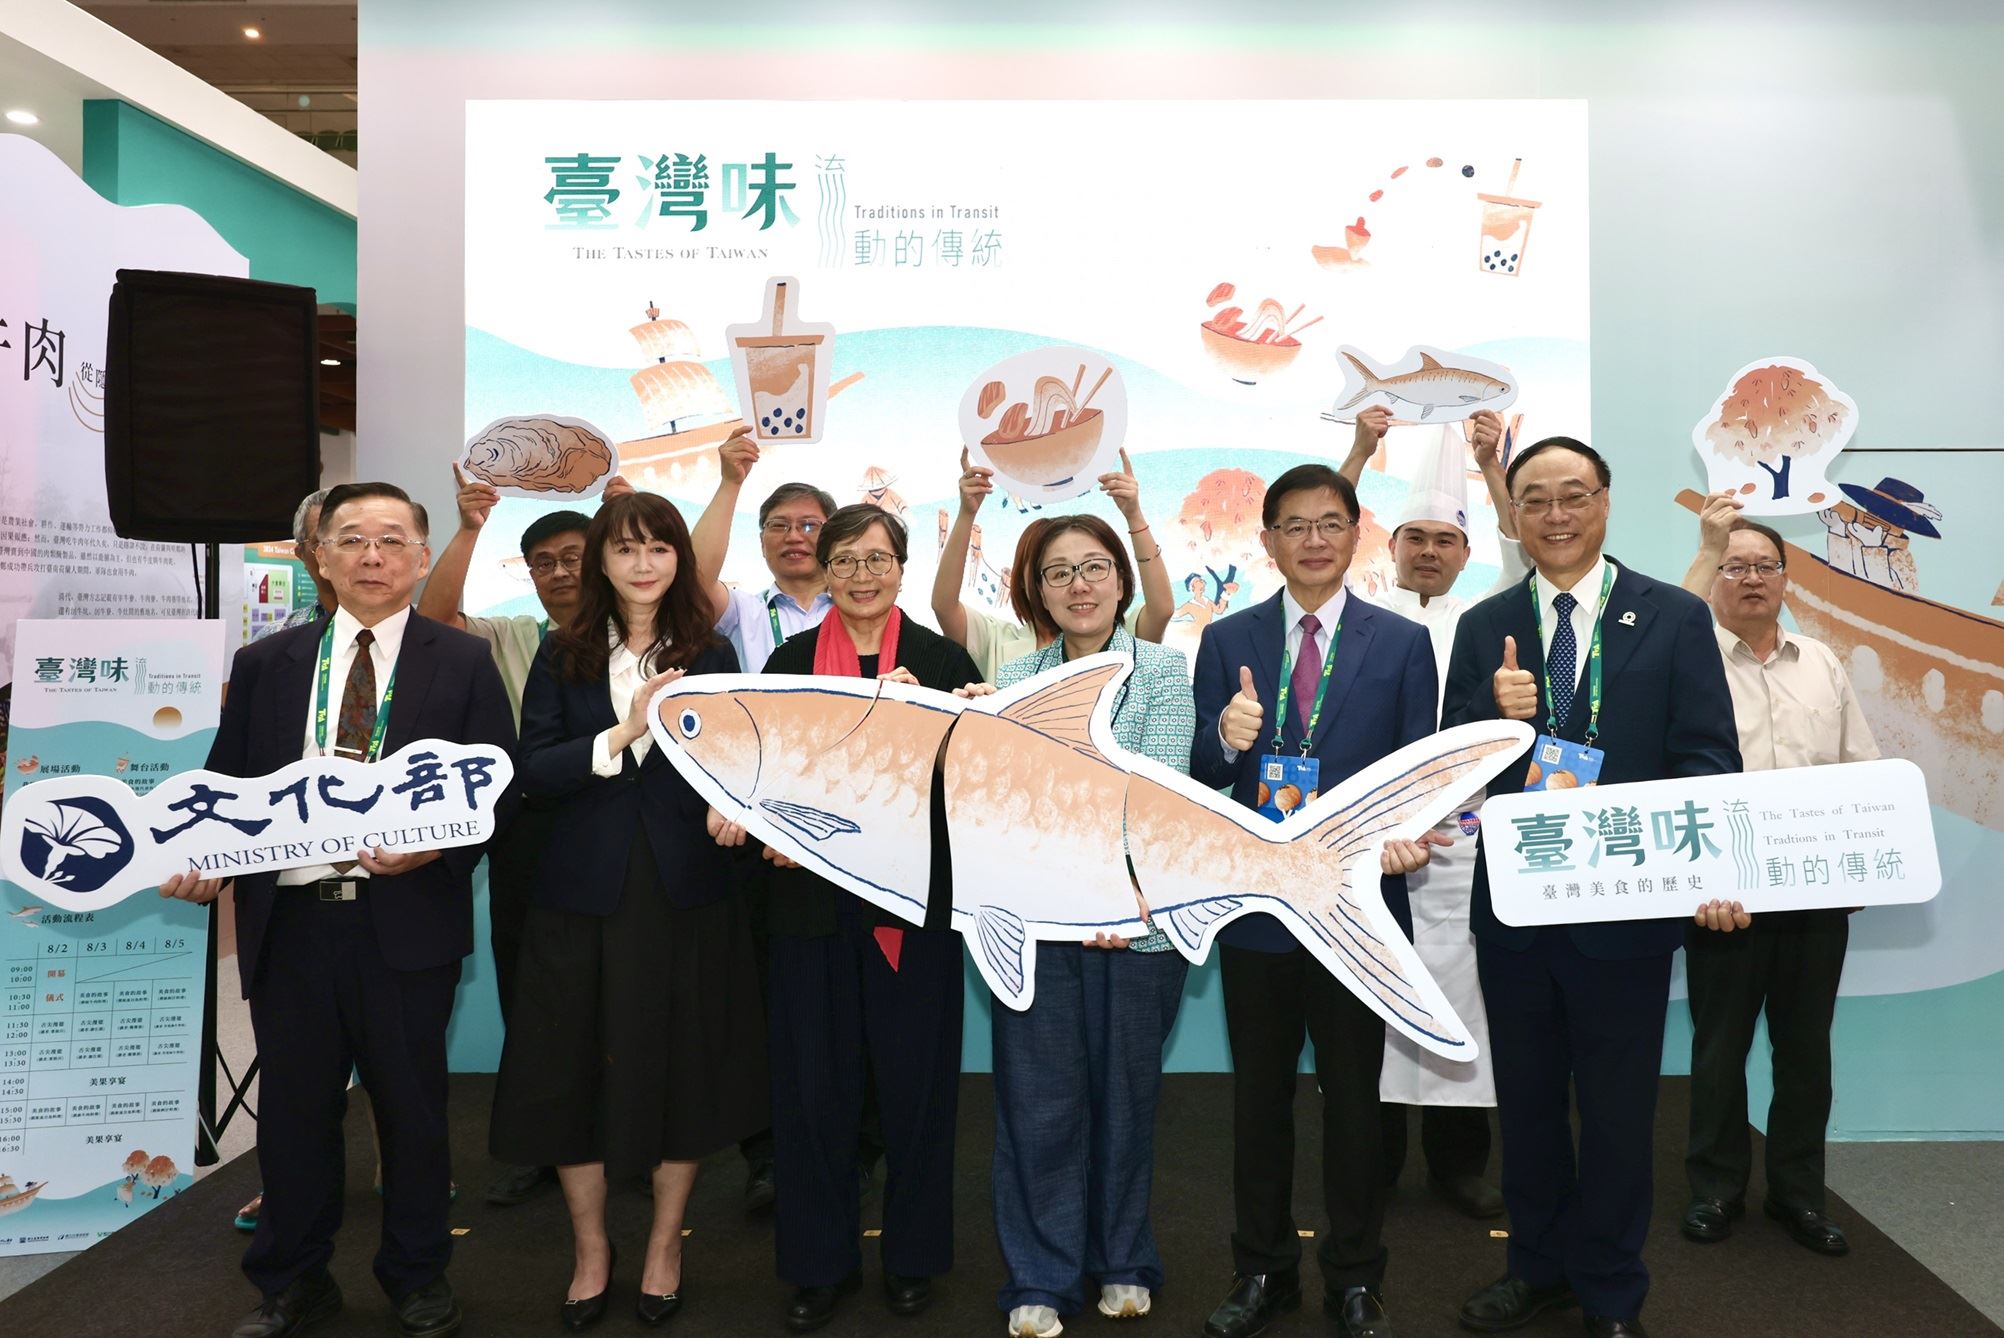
x,y
1558,1017
842,1017
324,1005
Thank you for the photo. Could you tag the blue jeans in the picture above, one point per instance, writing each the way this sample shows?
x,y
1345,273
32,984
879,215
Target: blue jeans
x,y
1076,1080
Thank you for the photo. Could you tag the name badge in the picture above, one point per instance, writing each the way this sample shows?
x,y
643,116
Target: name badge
x,y
1287,782
1560,764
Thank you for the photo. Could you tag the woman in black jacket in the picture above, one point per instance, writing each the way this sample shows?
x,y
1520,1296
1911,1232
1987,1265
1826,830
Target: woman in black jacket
x,y
637,1045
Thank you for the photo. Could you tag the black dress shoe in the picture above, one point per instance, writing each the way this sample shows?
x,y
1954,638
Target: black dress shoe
x,y
1252,1303
1511,1303
814,1306
1473,1195
1708,1221
1359,1312
760,1192
309,1299
1811,1229
519,1184
429,1312
1604,1326
657,1307
907,1296
581,1315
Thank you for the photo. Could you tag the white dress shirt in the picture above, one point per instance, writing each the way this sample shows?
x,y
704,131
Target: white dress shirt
x,y
1587,591
383,656
747,622
624,677
1330,614
1796,707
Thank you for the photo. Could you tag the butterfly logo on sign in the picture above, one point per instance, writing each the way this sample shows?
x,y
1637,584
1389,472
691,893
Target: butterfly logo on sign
x,y
81,843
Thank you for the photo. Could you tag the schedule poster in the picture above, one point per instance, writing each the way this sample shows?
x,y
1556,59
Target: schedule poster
x,y
101,1012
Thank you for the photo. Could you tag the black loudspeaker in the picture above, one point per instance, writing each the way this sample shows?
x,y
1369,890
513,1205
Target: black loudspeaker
x,y
211,406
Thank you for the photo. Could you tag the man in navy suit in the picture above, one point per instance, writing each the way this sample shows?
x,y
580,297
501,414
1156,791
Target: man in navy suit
x,y
1582,1004
1377,695
353,966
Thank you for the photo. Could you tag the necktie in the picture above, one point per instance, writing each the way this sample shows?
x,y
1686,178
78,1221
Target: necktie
x,y
358,703
1563,667
1307,672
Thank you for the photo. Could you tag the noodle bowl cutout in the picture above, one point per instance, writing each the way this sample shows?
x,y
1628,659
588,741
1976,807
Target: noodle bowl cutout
x,y
1048,422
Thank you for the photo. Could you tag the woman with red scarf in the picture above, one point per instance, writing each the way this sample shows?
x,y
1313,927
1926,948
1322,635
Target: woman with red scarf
x,y
858,995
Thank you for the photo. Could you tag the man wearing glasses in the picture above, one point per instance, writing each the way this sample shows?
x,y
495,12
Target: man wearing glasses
x,y
353,966
1316,685
553,550
1620,675
1795,708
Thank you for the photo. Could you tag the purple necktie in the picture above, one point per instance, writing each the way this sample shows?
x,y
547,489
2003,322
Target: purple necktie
x,y
1307,672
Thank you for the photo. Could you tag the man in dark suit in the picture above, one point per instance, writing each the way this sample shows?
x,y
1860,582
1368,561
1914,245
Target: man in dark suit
x,y
1582,1004
1377,695
354,966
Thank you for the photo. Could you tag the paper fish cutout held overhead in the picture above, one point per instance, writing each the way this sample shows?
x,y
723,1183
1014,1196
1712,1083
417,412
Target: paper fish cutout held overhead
x,y
1046,812
1442,386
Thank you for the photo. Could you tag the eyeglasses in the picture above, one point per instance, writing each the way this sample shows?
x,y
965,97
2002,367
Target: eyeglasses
x,y
354,545
547,566
1329,527
779,529
877,564
1739,571
1059,574
1571,503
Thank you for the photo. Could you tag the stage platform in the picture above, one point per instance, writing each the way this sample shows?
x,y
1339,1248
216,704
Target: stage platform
x,y
174,1272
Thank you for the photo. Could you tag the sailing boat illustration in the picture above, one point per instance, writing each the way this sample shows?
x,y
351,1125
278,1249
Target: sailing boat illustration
x,y
685,407
13,1198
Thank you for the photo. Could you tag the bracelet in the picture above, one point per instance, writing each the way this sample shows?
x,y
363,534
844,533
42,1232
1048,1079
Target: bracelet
x,y
1151,557
1137,531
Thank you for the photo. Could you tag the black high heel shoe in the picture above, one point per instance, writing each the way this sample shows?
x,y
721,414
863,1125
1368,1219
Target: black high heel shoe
x,y
581,1315
656,1308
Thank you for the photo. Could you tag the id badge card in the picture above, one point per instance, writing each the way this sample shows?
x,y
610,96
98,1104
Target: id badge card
x,y
1286,783
1560,764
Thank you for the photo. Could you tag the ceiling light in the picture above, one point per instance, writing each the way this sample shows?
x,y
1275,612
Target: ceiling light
x,y
252,33
330,362
22,116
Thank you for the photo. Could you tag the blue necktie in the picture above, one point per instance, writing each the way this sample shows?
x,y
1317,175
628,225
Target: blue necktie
x,y
1562,665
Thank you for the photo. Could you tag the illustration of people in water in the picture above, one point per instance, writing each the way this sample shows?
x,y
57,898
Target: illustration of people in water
x,y
1869,535
1210,596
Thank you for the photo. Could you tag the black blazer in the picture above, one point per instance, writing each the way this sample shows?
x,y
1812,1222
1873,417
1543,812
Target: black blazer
x,y
1665,712
1382,695
594,817
804,904
447,688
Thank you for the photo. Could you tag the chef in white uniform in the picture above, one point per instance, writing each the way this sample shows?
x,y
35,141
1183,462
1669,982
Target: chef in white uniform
x,y
1430,547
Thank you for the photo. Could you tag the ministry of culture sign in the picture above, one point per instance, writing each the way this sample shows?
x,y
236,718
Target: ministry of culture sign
x,y
1854,834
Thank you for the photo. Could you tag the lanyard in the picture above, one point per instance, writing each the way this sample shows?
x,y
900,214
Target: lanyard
x,y
772,615
1321,691
320,700
1593,658
542,630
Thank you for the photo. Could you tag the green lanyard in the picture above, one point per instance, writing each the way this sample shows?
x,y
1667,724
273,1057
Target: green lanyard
x,y
1593,659
772,615
320,704
542,630
1321,691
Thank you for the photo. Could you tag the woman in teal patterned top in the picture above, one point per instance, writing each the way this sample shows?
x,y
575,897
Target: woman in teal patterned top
x,y
1077,1073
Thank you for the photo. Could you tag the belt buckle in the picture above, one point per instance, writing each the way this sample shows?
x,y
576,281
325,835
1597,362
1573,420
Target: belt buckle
x,y
339,889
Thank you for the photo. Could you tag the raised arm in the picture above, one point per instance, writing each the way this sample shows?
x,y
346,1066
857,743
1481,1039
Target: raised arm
x,y
445,587
1158,605
1715,525
976,482
1372,424
711,538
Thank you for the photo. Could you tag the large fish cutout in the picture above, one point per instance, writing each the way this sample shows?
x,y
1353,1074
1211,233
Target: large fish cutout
x,y
1058,833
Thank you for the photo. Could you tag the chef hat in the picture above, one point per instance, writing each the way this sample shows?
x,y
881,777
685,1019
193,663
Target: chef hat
x,y
1439,491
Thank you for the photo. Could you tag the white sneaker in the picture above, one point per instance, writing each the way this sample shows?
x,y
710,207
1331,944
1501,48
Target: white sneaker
x,y
1123,1300
1034,1321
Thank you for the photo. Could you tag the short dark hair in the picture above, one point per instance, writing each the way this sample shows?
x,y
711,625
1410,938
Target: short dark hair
x,y
1306,478
545,528
850,521
341,494
1102,534
1573,444
793,492
1766,532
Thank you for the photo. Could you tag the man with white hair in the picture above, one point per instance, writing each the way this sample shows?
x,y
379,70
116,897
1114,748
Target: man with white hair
x,y
305,520
1430,546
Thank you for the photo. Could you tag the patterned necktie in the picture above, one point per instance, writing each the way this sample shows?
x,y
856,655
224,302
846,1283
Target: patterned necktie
x,y
1307,672
358,703
1563,667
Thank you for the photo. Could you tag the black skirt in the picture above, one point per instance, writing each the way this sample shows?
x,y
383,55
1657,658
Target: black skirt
x,y
636,1037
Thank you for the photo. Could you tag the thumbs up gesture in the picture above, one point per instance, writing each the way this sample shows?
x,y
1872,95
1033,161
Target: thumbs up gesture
x,y
1239,725
1516,689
